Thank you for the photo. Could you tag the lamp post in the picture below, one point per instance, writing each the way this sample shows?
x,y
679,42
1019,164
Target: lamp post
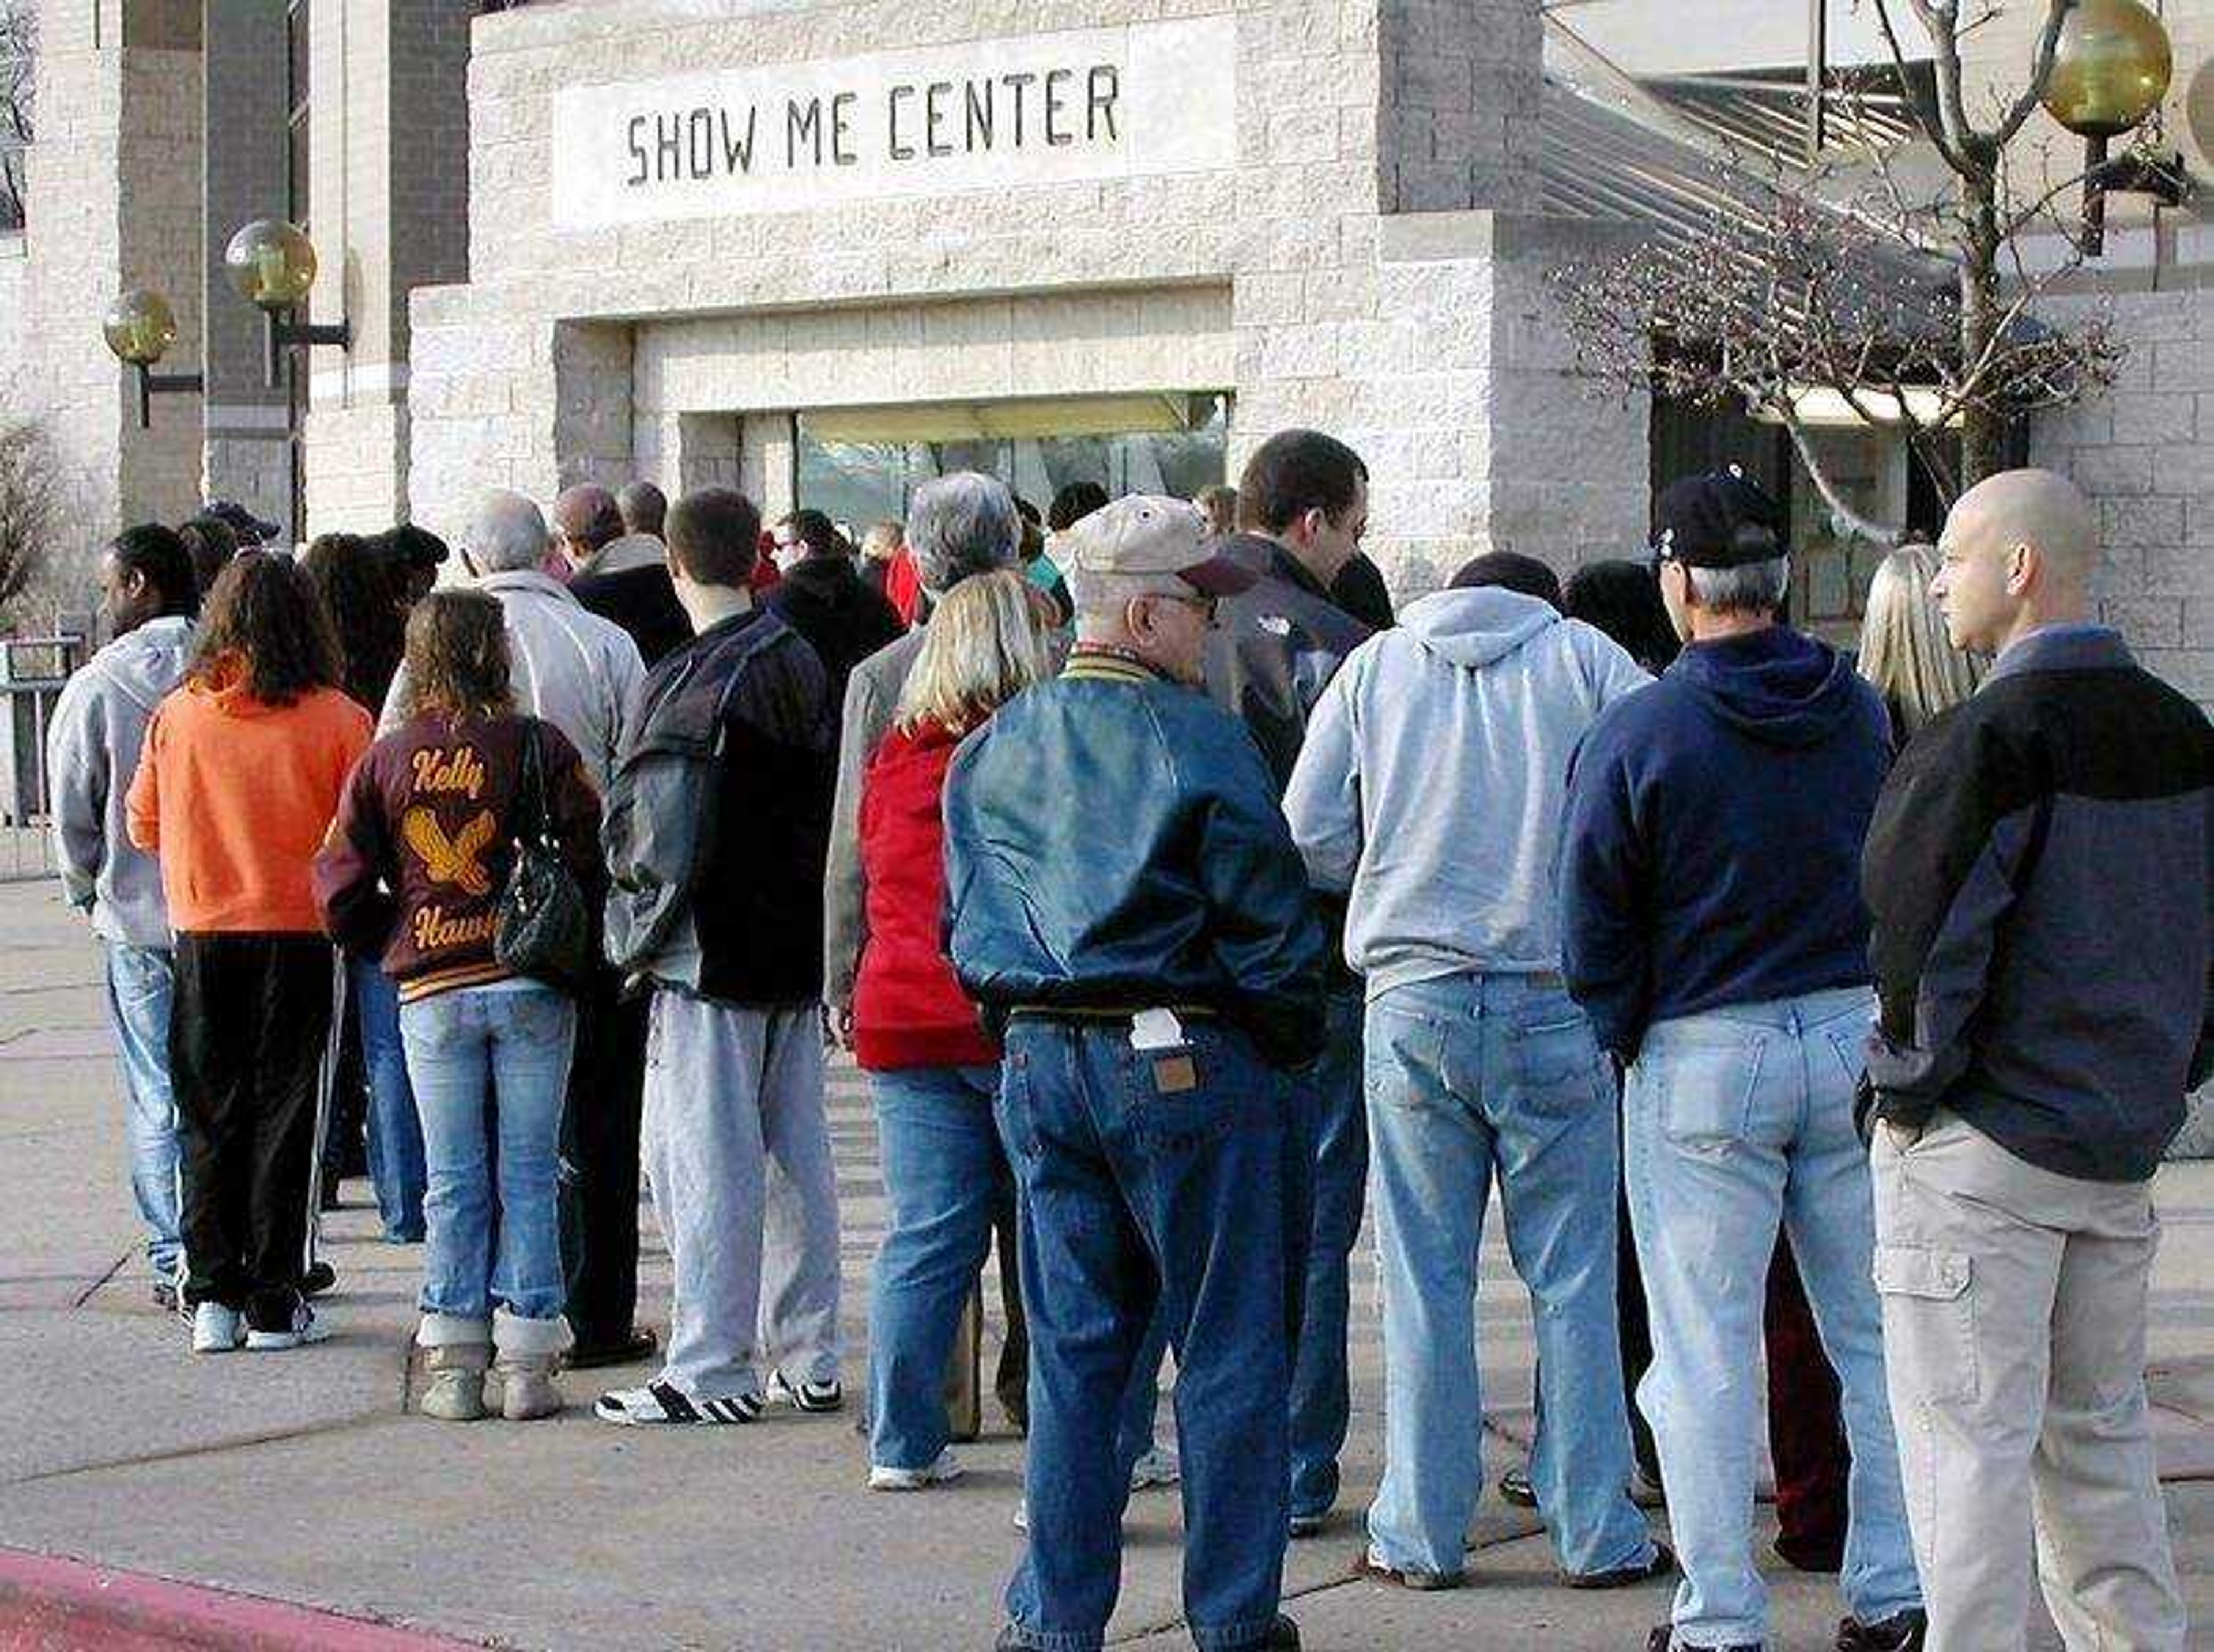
x,y
272,264
2110,69
139,327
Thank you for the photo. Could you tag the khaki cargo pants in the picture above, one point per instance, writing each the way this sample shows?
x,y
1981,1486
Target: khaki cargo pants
x,y
2013,1322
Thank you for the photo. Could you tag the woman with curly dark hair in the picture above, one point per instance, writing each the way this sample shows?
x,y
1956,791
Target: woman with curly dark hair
x,y
241,772
367,591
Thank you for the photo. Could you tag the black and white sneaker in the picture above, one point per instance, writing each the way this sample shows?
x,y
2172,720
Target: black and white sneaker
x,y
810,1397
665,1403
303,1328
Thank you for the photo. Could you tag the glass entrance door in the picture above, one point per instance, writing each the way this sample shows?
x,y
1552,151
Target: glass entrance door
x,y
859,465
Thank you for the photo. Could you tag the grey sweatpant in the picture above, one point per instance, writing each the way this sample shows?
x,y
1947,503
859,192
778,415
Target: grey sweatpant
x,y
2013,1322
738,1153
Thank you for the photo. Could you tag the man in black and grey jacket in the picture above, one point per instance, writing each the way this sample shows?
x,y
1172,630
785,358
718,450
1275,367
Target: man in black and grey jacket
x,y
717,824
1303,506
2038,874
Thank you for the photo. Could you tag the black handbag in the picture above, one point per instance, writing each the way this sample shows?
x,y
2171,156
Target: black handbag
x,y
543,928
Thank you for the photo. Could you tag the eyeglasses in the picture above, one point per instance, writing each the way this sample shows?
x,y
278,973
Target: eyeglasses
x,y
1206,604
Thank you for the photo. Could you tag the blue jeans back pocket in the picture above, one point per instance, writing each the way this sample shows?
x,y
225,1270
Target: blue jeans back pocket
x,y
1706,1087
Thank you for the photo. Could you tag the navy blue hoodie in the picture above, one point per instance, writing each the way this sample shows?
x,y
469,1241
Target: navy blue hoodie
x,y
1714,835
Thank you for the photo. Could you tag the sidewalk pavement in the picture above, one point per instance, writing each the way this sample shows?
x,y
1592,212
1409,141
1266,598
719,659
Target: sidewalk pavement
x,y
308,1477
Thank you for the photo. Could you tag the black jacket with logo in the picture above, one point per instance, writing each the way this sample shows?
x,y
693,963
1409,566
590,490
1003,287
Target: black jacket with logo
x,y
2038,872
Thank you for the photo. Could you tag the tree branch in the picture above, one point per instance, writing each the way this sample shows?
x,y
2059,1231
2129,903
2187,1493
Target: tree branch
x,y
2040,71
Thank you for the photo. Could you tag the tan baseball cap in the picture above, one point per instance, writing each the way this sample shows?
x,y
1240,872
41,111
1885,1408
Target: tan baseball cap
x,y
1146,538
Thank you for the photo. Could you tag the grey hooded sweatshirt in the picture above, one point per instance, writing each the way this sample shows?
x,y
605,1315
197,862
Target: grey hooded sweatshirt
x,y
1433,782
93,740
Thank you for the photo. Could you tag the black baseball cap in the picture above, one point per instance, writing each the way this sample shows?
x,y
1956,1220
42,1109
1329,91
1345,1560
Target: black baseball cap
x,y
1723,519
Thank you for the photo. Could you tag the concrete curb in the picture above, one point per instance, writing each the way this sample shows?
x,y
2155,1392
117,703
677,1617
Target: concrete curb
x,y
49,1602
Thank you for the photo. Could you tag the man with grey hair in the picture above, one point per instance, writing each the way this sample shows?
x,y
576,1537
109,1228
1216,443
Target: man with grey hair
x,y
644,508
579,671
1123,896
2038,872
1713,930
958,525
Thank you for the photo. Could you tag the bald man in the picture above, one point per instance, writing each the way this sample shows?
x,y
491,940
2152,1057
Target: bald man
x,y
2037,872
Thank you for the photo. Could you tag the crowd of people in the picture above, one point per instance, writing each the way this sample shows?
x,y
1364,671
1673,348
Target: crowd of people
x,y
1186,906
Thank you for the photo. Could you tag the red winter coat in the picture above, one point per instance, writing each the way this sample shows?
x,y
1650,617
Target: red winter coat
x,y
908,1011
903,585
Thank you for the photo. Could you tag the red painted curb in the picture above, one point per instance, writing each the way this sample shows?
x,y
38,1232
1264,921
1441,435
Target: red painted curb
x,y
48,1604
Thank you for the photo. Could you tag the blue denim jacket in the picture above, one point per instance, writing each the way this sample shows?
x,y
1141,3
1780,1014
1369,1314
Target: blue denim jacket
x,y
1113,841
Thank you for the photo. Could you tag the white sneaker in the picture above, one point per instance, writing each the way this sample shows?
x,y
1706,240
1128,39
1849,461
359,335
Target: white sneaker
x,y
1157,1467
305,1328
216,1329
947,1467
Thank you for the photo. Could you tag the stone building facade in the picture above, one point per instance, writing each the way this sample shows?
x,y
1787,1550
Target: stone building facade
x,y
1326,212
1344,248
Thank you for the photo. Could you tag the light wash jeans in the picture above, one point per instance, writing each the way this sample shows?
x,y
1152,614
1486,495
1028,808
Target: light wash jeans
x,y
945,1173
1738,1117
1468,1074
141,983
514,1042
395,1134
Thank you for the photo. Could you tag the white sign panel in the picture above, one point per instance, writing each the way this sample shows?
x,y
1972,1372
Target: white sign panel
x,y
1139,101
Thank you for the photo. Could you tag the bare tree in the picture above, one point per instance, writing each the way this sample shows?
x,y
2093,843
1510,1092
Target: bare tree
x,y
1915,303
34,505
19,29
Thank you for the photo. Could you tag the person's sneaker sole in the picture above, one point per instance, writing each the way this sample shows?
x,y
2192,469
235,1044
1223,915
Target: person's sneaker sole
x,y
815,1399
1663,1564
1422,1583
278,1342
941,1472
1308,1525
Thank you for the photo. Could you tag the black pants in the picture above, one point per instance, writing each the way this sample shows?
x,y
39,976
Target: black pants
x,y
249,1038
599,1163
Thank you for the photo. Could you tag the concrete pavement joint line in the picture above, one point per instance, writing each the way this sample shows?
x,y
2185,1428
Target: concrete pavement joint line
x,y
210,1449
1327,1584
92,1289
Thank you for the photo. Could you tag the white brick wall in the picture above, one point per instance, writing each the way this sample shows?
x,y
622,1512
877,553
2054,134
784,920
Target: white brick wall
x,y
2145,452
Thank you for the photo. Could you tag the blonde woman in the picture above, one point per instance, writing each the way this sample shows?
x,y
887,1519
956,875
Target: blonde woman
x,y
1904,651
932,1067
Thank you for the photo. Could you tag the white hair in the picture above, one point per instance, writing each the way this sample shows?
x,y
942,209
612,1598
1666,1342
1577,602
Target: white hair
x,y
959,525
507,533
1750,587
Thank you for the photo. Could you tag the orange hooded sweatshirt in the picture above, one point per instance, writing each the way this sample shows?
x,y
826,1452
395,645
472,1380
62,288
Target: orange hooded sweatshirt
x,y
235,797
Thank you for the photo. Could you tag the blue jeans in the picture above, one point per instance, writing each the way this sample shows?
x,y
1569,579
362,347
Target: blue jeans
x,y
516,1042
141,983
1468,1074
1336,1124
1737,1119
945,1173
395,1134
1137,1203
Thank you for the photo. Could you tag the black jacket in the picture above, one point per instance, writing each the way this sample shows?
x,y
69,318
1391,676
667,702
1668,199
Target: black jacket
x,y
825,600
643,601
719,818
1274,650
2038,871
